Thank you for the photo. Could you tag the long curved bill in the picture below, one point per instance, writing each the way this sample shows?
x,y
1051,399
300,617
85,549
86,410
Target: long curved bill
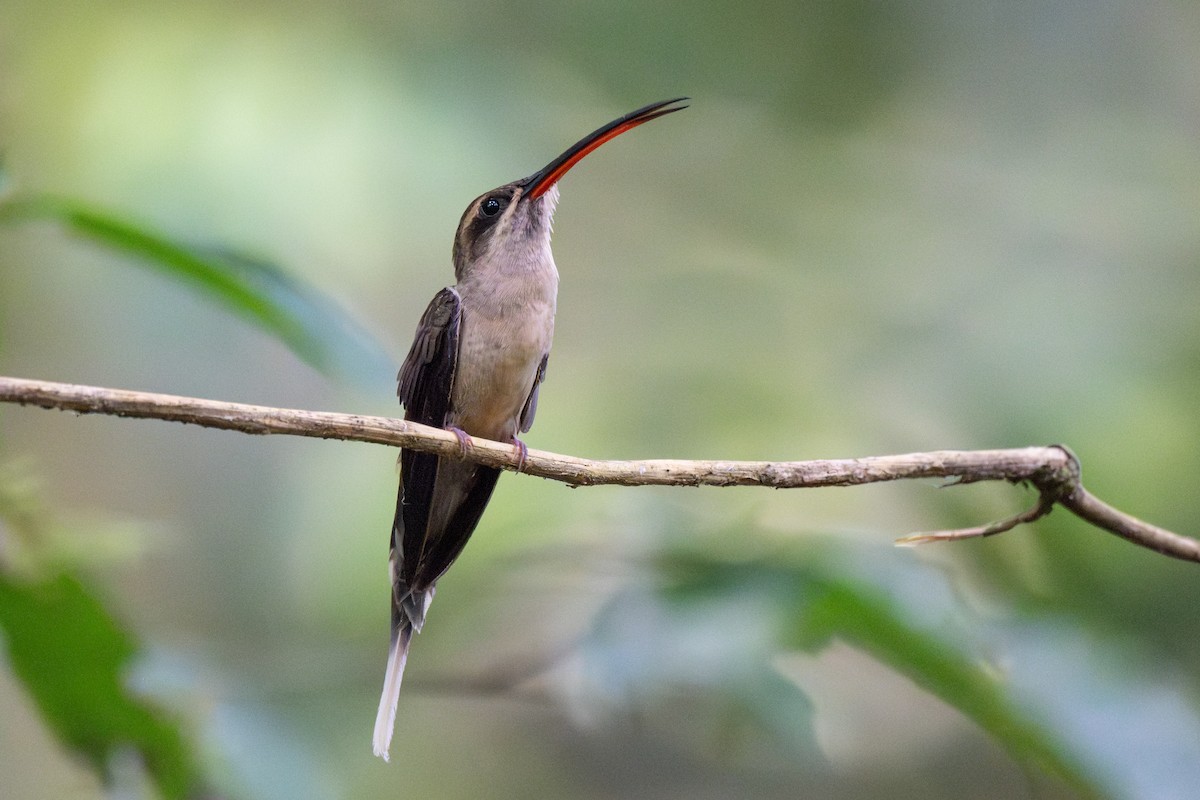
x,y
547,176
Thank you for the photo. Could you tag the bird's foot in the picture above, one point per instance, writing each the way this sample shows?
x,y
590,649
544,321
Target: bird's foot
x,y
464,440
522,453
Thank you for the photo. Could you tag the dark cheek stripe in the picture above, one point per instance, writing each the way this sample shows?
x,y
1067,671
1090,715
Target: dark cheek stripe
x,y
481,234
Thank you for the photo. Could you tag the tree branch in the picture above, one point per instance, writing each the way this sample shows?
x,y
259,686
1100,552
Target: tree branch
x,y
1053,470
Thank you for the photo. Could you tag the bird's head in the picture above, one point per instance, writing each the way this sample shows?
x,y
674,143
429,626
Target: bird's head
x,y
511,224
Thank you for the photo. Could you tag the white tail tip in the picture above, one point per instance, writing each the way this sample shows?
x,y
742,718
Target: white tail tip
x,y
385,719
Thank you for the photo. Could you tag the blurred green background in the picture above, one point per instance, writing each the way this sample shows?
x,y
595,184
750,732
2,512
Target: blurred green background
x,y
879,228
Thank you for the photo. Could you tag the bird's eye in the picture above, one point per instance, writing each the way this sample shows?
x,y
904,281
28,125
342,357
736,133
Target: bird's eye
x,y
491,207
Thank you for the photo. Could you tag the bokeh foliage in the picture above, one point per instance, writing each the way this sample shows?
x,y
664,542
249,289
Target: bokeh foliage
x,y
877,229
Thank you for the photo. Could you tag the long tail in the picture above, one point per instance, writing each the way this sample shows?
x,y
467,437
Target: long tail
x,y
408,616
385,720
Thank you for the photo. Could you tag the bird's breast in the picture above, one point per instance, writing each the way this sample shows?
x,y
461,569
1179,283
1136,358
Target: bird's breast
x,y
501,344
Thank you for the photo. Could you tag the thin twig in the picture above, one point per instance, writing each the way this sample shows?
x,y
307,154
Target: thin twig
x,y
1045,505
1053,470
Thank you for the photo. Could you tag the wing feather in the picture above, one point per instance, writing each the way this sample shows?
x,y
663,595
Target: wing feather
x,y
426,383
530,409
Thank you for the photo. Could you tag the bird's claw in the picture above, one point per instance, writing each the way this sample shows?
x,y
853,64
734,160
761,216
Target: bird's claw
x,y
464,440
522,453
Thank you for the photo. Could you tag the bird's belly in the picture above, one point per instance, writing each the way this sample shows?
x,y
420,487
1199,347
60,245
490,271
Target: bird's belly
x,y
496,368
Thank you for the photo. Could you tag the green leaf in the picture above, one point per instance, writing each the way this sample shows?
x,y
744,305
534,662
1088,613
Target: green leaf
x,y
863,616
646,648
814,600
311,325
72,656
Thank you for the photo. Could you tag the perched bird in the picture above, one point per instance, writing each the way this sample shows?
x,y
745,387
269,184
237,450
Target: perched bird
x,y
474,368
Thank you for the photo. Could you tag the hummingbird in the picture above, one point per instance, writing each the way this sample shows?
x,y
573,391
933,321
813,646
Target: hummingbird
x,y
476,362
